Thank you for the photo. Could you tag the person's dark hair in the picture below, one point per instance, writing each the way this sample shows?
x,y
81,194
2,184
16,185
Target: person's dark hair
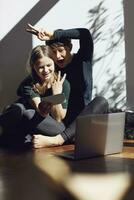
x,y
61,42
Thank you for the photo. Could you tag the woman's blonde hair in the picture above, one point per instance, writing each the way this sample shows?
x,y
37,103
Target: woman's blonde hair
x,y
37,53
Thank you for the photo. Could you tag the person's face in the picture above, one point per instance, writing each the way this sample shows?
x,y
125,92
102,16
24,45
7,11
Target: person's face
x,y
61,55
44,68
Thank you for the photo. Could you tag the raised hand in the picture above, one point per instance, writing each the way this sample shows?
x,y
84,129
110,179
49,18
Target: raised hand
x,y
39,32
57,86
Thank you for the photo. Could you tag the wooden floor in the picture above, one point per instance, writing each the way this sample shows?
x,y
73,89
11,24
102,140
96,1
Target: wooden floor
x,y
27,175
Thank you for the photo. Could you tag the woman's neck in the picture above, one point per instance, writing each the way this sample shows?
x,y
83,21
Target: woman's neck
x,y
47,83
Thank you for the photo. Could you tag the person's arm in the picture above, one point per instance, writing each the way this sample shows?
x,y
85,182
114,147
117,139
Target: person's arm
x,y
60,86
35,101
83,34
60,110
61,138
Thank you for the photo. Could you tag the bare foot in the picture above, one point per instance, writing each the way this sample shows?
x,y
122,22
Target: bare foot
x,y
41,141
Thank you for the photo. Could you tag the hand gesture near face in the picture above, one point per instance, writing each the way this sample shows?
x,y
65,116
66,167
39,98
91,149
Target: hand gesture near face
x,y
57,85
40,33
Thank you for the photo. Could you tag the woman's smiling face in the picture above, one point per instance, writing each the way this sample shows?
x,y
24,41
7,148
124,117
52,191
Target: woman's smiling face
x,y
44,68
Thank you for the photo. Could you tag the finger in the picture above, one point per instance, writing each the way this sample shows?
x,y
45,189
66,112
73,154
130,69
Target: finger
x,y
42,31
54,82
35,136
40,36
33,28
59,76
30,31
63,78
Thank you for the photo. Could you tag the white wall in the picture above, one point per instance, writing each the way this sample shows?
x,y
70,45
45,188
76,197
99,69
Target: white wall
x,y
52,14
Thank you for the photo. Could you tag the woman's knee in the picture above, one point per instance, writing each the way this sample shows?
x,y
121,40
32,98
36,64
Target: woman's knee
x,y
29,114
98,105
12,113
19,109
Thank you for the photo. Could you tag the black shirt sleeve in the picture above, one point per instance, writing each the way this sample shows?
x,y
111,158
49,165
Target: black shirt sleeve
x,y
85,39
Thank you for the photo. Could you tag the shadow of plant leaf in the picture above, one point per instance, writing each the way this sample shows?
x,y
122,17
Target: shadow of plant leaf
x,y
114,89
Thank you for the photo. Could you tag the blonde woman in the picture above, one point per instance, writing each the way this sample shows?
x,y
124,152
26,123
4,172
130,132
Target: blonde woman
x,y
44,81
39,119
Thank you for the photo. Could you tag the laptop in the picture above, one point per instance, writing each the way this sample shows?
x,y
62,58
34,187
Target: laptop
x,y
98,135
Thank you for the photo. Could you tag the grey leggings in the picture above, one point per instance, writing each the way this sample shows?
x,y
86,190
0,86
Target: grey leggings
x,y
50,127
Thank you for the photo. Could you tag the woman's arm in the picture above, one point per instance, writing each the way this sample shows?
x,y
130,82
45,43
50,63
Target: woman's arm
x,y
60,86
58,112
35,102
